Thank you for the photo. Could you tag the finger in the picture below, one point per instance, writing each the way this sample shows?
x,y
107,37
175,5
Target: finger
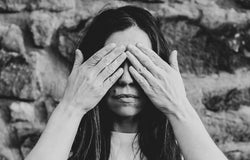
x,y
112,67
173,60
144,60
140,68
109,58
78,61
153,56
93,60
78,58
140,80
109,82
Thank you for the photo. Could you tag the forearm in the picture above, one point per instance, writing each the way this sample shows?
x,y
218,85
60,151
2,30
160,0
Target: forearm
x,y
57,138
193,139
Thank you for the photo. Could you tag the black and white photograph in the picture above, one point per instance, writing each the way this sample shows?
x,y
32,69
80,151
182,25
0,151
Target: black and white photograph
x,y
124,80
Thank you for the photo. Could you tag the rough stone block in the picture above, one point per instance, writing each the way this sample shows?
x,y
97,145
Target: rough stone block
x,y
67,40
205,51
231,99
8,140
54,5
27,118
13,5
51,73
11,38
51,5
16,77
43,26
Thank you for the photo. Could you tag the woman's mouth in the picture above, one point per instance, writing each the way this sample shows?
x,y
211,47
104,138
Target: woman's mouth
x,y
126,98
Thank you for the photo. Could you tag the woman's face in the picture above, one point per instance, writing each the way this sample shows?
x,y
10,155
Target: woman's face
x,y
125,98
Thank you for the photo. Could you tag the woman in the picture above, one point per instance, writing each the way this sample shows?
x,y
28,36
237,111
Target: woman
x,y
125,99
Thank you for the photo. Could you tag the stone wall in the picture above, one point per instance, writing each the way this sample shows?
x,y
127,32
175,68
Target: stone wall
x,y
212,37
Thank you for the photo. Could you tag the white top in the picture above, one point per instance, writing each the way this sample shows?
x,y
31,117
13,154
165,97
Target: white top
x,y
124,146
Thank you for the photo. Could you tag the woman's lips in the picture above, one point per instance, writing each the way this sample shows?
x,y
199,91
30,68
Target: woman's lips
x,y
126,98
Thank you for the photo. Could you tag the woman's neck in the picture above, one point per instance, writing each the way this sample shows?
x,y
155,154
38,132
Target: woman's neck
x,y
125,124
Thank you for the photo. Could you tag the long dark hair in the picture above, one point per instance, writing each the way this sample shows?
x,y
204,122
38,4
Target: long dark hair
x,y
155,134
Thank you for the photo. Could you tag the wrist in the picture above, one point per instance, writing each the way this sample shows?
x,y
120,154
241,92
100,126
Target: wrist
x,y
70,110
192,136
184,112
59,134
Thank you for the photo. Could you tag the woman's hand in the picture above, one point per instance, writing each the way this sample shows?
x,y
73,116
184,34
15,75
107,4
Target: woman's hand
x,y
164,86
86,85
88,82
160,81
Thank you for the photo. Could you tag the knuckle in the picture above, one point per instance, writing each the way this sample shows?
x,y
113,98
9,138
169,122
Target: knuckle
x,y
109,70
139,70
116,62
88,78
142,70
97,68
112,79
96,57
105,61
113,66
141,81
106,49
94,87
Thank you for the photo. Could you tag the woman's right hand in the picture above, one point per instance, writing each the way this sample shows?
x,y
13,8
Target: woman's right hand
x,y
88,82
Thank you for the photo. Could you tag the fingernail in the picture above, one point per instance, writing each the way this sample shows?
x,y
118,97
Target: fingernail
x,y
175,52
77,51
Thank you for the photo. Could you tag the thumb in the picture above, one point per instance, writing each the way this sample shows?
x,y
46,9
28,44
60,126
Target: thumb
x,y
78,58
173,60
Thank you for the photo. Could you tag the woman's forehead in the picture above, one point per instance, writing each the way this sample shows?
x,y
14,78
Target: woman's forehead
x,y
131,35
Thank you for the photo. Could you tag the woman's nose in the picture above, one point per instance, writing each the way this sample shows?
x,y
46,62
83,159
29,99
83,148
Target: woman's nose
x,y
126,78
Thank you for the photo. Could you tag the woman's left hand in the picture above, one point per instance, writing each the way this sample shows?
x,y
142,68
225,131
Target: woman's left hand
x,y
163,85
161,81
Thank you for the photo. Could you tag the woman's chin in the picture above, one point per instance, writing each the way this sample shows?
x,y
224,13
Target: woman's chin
x,y
125,110
125,107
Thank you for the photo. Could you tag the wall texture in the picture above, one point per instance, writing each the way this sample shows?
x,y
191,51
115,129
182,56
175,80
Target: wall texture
x,y
212,37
